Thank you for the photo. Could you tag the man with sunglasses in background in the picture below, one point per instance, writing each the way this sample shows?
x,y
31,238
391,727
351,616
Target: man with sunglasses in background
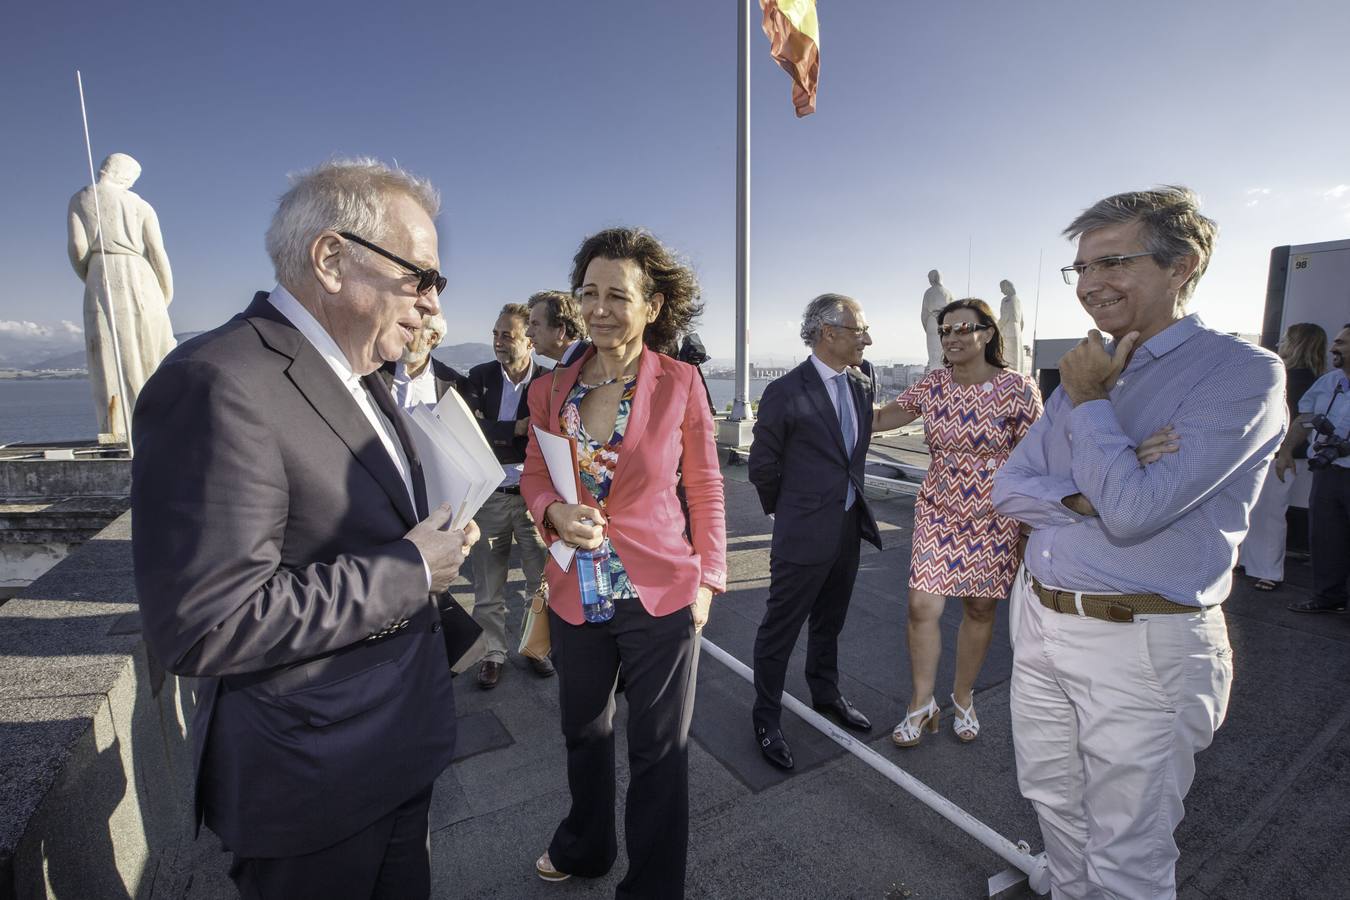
x,y
810,445
1135,487
285,556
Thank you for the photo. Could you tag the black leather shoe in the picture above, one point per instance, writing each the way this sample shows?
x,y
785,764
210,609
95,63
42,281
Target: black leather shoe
x,y
488,673
845,714
542,667
774,748
1312,606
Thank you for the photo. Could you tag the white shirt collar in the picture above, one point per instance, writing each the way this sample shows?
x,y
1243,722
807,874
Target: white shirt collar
x,y
515,385
825,372
316,334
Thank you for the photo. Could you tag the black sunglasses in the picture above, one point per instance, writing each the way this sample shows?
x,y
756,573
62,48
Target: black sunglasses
x,y
426,278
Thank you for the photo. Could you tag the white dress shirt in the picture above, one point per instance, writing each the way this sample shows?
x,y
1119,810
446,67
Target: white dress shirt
x,y
506,412
410,392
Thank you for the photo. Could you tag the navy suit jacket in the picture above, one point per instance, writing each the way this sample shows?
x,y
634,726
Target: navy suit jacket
x,y
800,468
483,395
270,562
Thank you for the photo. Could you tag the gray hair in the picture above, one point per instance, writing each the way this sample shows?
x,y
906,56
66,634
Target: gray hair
x,y
1173,226
824,310
338,195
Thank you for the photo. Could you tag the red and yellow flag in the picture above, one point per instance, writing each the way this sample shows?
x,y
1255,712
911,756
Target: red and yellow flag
x,y
794,40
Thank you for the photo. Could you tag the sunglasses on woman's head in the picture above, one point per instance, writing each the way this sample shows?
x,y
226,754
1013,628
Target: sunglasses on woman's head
x,y
960,328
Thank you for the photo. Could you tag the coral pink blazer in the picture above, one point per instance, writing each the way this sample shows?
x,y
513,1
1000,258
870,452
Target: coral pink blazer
x,y
669,429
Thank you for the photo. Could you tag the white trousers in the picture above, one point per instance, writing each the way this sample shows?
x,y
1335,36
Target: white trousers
x,y
1107,718
1262,551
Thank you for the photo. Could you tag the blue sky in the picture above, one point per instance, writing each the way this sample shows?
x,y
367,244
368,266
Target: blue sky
x,y
942,128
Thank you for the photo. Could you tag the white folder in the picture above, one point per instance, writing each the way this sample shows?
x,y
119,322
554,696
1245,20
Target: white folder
x,y
457,461
561,458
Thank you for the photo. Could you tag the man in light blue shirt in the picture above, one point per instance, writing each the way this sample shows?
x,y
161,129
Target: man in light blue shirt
x,y
1134,487
1324,419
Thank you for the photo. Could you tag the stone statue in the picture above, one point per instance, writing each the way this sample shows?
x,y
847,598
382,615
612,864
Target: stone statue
x,y
1010,327
139,287
934,299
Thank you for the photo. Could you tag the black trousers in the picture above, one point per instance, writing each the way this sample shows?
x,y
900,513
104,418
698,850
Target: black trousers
x,y
819,593
1329,529
659,656
388,860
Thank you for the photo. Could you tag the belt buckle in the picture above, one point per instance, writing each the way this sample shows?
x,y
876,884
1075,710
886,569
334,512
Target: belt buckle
x,y
1119,612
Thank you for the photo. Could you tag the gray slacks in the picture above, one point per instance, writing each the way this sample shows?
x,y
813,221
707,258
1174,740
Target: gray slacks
x,y
502,518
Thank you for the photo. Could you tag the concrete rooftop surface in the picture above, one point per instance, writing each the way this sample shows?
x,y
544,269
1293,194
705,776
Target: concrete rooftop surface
x,y
1267,817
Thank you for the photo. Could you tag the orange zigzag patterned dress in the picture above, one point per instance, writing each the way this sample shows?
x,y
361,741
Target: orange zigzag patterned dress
x,y
961,547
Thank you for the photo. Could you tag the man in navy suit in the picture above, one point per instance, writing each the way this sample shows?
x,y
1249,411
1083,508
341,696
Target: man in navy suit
x,y
497,394
285,556
810,445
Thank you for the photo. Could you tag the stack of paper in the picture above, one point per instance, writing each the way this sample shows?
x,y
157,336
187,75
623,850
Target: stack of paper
x,y
457,461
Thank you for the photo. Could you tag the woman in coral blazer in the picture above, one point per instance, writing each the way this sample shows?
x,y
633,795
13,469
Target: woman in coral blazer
x,y
642,426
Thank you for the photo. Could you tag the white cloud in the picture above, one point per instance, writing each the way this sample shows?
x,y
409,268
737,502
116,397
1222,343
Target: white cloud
x,y
1337,193
70,328
24,329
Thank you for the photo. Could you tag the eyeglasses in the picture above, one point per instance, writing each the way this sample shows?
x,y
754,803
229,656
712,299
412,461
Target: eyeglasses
x,y
426,278
1106,264
960,328
856,329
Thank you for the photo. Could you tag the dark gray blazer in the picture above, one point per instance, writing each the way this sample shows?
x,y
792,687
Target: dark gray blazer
x,y
267,534
799,466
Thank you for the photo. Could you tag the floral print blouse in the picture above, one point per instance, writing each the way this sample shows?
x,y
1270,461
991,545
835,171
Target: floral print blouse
x,y
597,462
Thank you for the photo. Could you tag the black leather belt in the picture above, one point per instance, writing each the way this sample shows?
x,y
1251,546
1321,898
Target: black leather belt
x,y
508,489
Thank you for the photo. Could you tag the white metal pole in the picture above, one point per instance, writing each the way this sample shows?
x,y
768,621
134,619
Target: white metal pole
x,y
740,406
1017,855
103,270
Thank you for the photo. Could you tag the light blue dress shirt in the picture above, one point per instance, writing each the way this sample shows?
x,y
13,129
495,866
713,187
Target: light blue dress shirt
x,y
1172,527
1323,399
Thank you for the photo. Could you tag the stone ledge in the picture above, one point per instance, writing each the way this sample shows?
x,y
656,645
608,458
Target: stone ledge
x,y
95,787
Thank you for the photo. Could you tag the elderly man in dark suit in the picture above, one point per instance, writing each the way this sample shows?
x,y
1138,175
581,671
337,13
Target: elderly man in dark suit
x,y
496,393
810,445
285,556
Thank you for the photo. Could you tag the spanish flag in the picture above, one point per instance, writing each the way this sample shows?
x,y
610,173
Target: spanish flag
x,y
794,40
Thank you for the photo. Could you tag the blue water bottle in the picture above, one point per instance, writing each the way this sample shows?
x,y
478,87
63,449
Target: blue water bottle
x,y
593,578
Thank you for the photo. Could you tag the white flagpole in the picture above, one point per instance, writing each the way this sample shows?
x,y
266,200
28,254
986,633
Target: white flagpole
x,y
740,406
1036,316
103,270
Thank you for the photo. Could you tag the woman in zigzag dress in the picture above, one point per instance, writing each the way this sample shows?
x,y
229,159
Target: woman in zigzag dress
x,y
975,410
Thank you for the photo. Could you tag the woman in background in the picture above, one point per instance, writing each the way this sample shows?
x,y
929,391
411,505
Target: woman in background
x,y
975,410
1304,351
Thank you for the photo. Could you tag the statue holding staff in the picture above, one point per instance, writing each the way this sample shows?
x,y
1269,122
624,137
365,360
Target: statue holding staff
x,y
124,270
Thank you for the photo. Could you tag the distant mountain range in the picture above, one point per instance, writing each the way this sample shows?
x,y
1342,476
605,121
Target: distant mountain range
x,y
461,356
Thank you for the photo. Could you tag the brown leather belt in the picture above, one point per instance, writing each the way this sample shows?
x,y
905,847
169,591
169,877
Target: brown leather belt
x,y
1109,607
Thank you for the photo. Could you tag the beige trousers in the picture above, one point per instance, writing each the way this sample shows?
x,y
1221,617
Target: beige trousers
x,y
502,518
1107,718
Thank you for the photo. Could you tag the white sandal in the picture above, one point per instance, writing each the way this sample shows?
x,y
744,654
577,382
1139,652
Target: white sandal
x,y
543,866
911,728
964,723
